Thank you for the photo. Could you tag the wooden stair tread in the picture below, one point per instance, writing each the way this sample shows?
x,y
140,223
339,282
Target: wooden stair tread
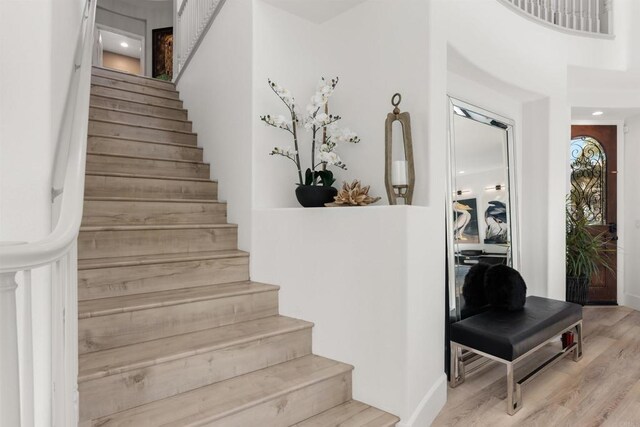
x,y
136,176
155,159
124,138
137,113
114,122
91,228
217,401
126,261
141,355
141,199
118,82
132,101
97,112
126,74
94,84
128,303
351,414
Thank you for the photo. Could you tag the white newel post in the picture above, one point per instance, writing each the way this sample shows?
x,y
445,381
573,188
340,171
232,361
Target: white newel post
x,y
9,365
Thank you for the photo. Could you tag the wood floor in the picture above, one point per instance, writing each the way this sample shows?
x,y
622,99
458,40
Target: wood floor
x,y
603,389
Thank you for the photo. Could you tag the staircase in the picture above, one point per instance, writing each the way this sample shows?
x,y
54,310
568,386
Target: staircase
x,y
171,330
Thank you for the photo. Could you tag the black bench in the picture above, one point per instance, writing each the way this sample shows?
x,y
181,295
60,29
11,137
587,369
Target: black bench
x,y
510,337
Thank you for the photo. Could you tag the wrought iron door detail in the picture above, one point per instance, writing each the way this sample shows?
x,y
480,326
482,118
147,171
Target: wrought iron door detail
x,y
588,179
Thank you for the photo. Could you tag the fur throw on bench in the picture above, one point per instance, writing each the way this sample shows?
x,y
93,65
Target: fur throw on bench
x,y
499,286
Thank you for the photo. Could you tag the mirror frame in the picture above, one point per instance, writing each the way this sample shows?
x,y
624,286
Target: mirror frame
x,y
513,252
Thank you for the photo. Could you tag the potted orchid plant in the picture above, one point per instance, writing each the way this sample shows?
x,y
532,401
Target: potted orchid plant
x,y
315,185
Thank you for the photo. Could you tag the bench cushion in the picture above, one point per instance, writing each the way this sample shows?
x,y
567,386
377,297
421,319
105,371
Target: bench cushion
x,y
509,335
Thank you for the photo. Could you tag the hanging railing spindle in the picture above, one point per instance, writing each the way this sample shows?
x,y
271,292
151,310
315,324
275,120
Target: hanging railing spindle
x,y
577,16
194,18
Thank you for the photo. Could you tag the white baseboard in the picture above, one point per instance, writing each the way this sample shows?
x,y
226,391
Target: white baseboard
x,y
430,405
632,301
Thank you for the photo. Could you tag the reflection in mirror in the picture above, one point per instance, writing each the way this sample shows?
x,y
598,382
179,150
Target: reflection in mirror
x,y
481,198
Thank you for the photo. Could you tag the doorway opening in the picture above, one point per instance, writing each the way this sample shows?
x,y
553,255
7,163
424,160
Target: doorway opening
x,y
120,50
593,166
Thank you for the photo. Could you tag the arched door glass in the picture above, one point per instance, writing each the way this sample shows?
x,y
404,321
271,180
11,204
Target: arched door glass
x,y
588,179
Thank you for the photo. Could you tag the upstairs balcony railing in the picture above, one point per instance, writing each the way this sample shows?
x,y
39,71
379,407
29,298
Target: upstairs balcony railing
x,y
585,17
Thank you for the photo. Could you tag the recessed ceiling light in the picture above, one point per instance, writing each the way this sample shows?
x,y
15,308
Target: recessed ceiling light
x,y
597,113
461,172
124,44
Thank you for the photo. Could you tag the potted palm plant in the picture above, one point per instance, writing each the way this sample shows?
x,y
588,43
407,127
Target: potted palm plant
x,y
586,253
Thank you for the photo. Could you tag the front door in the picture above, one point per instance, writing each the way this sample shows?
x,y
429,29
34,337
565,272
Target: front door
x,y
594,180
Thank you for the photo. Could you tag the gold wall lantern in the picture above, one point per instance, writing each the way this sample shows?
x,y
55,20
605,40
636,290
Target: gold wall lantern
x,y
399,174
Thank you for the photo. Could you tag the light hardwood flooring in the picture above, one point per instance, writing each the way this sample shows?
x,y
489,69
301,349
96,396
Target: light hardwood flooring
x,y
603,389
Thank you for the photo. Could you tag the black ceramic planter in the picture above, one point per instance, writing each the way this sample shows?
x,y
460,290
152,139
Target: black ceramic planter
x,y
315,196
577,290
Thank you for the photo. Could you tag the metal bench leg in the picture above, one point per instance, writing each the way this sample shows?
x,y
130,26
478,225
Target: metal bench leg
x,y
456,366
514,392
577,352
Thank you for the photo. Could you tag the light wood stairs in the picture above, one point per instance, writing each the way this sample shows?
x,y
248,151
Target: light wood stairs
x,y
171,330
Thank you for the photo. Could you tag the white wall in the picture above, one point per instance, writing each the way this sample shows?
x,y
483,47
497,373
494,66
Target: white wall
x,y
395,339
372,296
631,246
36,76
133,16
217,90
529,64
372,63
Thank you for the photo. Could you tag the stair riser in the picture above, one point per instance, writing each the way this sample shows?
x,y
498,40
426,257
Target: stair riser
x,y
133,87
99,212
103,332
136,119
134,96
131,78
141,133
140,279
134,107
99,244
114,186
119,392
106,164
97,144
291,408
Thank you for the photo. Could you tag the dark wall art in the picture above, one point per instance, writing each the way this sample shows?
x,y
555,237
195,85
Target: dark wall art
x,y
495,218
162,53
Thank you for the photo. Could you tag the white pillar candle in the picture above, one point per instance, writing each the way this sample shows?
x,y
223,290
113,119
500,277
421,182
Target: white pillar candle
x,y
399,173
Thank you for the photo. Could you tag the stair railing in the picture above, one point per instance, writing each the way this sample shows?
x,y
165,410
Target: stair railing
x,y
59,252
587,17
192,22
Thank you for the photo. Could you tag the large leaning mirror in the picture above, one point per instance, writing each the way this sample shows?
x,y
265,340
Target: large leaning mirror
x,y
481,197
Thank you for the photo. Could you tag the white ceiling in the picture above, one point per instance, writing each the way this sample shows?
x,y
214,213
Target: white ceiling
x,y
478,147
112,42
616,114
317,11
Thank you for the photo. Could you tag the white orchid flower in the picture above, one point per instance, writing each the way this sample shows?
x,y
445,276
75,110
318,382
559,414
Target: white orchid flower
x,y
330,158
337,135
322,117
